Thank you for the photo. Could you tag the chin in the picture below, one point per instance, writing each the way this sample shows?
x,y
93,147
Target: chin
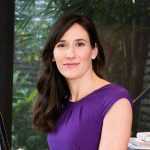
x,y
71,76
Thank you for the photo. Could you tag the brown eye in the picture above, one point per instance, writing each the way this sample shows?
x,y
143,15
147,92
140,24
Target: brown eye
x,y
60,45
80,44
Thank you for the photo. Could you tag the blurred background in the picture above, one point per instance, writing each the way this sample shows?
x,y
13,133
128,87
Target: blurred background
x,y
124,31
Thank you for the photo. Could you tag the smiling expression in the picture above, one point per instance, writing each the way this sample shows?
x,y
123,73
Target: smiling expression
x,y
73,53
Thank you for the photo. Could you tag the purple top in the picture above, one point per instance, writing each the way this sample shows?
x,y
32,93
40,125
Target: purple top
x,y
80,125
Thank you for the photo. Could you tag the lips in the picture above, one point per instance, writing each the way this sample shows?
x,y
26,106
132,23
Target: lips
x,y
71,65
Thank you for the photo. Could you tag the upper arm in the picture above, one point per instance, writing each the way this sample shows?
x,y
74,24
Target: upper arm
x,y
117,125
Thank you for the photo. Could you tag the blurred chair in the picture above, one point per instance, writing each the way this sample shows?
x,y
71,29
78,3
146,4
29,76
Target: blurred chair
x,y
4,145
144,111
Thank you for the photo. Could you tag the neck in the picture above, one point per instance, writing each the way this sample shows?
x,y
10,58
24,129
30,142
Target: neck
x,y
82,86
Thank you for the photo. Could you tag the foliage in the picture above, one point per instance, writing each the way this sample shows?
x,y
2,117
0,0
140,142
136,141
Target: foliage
x,y
23,135
33,20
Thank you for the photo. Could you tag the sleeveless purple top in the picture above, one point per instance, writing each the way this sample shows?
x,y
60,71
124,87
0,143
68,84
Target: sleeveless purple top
x,y
80,125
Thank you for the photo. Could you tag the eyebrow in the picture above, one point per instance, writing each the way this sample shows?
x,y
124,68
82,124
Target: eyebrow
x,y
81,40
75,40
61,41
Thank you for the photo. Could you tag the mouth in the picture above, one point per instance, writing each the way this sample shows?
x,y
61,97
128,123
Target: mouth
x,y
71,65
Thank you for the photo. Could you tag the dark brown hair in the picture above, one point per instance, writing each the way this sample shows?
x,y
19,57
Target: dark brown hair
x,y
52,87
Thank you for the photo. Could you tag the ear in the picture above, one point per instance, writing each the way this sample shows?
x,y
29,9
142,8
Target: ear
x,y
94,52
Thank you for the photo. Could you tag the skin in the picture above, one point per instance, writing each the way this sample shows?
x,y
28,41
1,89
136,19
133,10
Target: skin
x,y
117,125
73,55
70,50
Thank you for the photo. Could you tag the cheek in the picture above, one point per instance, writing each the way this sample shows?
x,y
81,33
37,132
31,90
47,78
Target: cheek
x,y
57,56
86,56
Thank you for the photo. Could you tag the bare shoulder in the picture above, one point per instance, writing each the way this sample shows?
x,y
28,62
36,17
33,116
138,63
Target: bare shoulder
x,y
117,125
121,108
122,103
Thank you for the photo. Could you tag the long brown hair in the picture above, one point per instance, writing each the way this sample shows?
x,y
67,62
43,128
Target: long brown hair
x,y
52,87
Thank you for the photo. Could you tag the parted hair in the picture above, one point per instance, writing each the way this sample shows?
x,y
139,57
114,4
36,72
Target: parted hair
x,y
53,90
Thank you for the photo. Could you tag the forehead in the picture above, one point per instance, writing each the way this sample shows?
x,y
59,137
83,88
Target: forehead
x,y
76,31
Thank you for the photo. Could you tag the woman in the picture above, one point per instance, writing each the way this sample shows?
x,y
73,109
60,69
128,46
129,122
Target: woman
x,y
77,107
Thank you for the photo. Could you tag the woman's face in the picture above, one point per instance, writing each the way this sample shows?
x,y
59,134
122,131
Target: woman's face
x,y
73,53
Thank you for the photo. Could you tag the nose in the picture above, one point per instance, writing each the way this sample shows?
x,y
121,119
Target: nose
x,y
70,52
